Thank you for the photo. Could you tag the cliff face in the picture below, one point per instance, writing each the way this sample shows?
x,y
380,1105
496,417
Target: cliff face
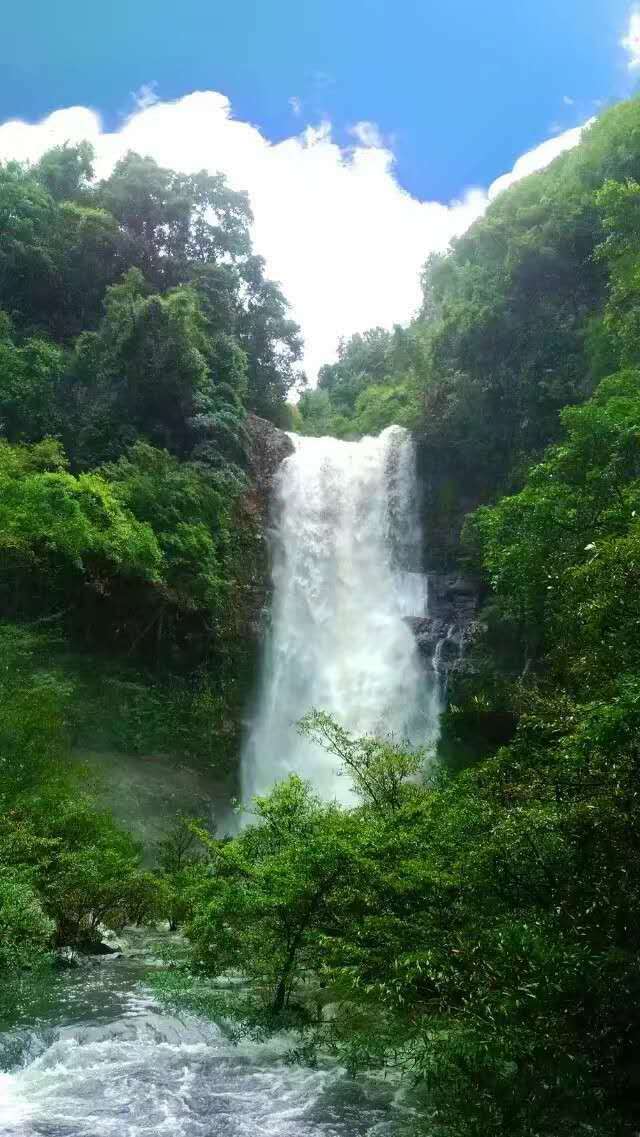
x,y
444,505
268,448
452,623
446,632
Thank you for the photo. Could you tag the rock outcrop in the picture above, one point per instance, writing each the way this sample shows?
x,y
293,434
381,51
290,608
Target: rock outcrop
x,y
444,634
269,447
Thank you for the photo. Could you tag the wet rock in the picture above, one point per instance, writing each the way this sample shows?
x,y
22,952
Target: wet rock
x,y
269,447
109,943
71,958
67,958
451,623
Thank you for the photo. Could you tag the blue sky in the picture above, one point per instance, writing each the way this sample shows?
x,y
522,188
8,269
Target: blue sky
x,y
461,88
367,133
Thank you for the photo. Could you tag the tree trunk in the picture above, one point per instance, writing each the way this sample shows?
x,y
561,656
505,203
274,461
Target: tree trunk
x,y
280,996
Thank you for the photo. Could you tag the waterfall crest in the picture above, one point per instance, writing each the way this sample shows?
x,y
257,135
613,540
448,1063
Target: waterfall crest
x,y
346,579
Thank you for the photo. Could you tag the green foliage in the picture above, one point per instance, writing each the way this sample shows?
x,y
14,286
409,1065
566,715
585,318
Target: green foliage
x,y
523,316
25,930
478,931
29,376
373,385
169,256
259,908
315,414
32,719
26,934
620,206
65,867
175,220
137,329
66,171
179,856
480,935
74,520
379,769
92,874
271,342
137,712
27,268
144,555
475,933
158,548
148,362
562,554
189,513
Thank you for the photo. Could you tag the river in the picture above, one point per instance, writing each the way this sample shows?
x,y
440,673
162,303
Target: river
x,y
107,1060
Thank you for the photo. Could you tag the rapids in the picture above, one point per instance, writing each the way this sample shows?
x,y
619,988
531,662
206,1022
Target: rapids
x,y
109,1061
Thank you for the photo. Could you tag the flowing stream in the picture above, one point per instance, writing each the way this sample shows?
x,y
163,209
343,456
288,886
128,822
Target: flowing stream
x,y
346,576
108,1061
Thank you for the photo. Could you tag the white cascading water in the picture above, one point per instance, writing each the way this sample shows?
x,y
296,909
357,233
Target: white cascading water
x,y
346,561
107,1060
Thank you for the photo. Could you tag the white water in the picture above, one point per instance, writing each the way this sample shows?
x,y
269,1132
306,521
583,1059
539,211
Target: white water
x,y
110,1062
346,575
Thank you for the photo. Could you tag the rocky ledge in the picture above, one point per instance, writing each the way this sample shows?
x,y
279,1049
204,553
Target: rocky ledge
x,y
444,635
269,447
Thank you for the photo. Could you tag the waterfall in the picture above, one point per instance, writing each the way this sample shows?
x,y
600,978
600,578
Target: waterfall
x,y
346,579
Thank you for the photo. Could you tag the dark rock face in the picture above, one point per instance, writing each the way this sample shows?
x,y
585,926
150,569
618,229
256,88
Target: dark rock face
x,y
451,624
269,447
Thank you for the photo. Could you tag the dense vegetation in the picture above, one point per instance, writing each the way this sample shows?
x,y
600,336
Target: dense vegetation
x,y
137,330
477,931
471,926
375,383
512,329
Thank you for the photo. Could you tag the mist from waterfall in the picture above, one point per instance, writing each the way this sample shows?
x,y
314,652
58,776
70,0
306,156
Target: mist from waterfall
x,y
346,576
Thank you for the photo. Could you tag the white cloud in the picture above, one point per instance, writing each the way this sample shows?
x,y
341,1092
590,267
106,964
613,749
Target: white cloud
x,y
568,101
335,227
146,95
368,134
631,41
296,105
